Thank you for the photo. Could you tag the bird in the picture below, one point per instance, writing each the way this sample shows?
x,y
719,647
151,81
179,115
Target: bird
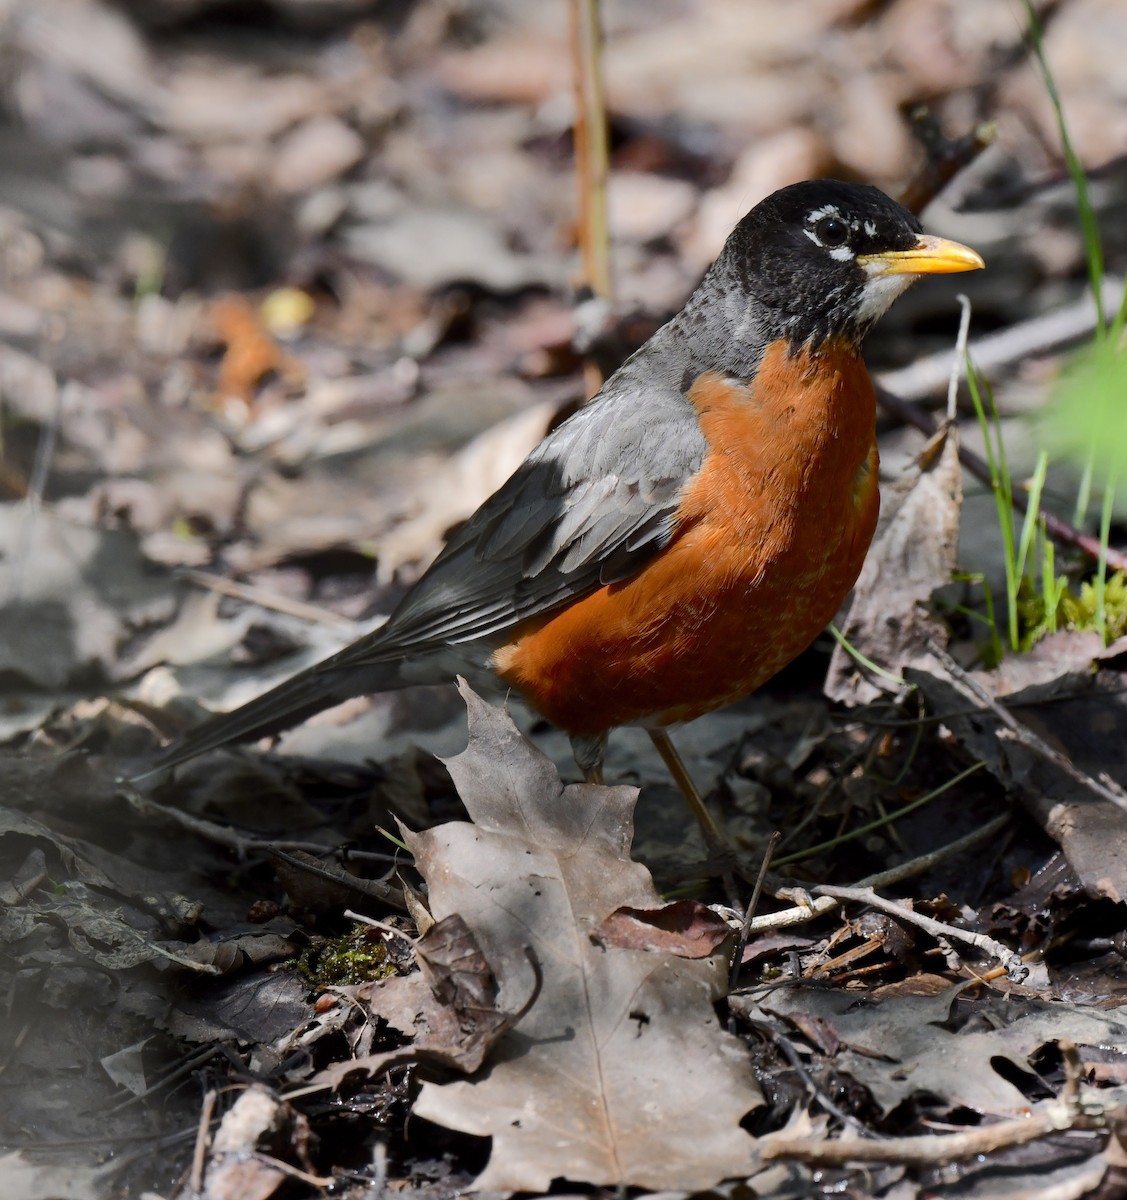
x,y
690,530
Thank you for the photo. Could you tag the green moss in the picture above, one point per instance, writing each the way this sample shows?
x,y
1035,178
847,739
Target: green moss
x,y
1075,611
358,956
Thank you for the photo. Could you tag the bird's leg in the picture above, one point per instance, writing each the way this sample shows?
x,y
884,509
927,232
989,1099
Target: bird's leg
x,y
590,749
713,837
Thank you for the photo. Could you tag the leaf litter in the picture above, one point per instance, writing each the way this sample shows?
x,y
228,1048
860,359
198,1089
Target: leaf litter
x,y
422,283
619,1074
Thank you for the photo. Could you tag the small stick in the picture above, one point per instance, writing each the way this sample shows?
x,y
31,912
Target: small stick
x,y
1073,1071
1105,788
802,914
1053,1116
938,929
383,926
195,1180
213,831
317,1181
185,1067
592,156
752,905
946,157
264,599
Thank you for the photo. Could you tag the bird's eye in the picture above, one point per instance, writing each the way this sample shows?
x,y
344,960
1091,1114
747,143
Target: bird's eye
x,y
831,231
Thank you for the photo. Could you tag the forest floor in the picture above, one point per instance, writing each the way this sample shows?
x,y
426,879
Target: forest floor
x,y
287,289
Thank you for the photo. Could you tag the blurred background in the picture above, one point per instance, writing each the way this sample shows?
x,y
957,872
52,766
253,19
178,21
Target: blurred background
x,y
288,286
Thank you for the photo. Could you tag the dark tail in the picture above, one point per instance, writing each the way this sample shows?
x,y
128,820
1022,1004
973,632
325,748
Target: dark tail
x,y
309,692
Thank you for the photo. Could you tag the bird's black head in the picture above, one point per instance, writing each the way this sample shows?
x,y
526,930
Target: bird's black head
x,y
824,260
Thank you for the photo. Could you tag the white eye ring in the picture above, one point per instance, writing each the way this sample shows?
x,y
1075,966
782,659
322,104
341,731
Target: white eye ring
x,y
831,231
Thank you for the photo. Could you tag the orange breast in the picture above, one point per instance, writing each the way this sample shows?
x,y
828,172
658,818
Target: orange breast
x,y
770,537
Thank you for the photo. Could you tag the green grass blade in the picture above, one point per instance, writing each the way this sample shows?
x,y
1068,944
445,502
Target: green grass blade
x,y
1029,524
867,663
1093,247
1000,485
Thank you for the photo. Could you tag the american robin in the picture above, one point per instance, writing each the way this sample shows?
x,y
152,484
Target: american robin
x,y
691,530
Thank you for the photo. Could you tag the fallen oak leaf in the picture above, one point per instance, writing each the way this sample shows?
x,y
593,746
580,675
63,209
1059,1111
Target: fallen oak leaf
x,y
619,1073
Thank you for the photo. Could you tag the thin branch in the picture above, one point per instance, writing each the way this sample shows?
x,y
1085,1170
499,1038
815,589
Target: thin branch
x,y
752,905
1016,970
251,594
592,155
199,1154
213,831
1051,1116
946,157
1014,730
383,926
592,158
802,914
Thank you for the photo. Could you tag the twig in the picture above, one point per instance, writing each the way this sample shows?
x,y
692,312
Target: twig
x,y
373,889
1015,968
1073,1071
802,914
1016,731
752,905
946,157
221,835
809,1082
266,599
199,1154
384,926
1051,1116
33,501
185,1067
317,1181
1058,529
592,156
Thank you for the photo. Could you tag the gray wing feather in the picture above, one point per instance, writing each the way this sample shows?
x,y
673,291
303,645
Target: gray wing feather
x,y
589,507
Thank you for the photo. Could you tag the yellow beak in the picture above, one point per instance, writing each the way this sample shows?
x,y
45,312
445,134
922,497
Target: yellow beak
x,y
929,256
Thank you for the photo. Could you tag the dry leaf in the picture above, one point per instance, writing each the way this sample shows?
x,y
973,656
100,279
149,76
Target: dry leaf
x,y
454,1018
1086,722
619,1074
907,1045
685,928
256,1121
889,621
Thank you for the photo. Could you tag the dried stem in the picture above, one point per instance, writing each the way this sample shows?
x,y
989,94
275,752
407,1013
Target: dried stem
x,y
199,1154
752,905
1052,1116
801,914
592,155
946,157
937,929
